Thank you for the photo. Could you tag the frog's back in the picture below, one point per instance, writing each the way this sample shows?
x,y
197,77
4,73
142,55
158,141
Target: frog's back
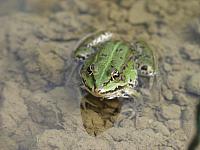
x,y
110,56
114,54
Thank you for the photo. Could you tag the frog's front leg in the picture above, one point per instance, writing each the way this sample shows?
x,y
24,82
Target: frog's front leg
x,y
136,103
88,45
136,97
132,93
146,82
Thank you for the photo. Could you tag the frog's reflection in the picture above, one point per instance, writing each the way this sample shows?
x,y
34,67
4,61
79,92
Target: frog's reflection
x,y
99,115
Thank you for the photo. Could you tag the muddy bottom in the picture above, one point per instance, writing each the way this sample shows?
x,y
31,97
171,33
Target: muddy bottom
x,y
41,104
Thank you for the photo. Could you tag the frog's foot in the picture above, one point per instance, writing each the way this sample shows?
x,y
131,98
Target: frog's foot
x,y
125,114
91,101
152,90
85,101
136,104
131,110
128,113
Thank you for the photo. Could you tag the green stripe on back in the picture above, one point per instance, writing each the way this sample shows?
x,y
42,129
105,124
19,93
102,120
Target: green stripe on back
x,y
109,55
111,49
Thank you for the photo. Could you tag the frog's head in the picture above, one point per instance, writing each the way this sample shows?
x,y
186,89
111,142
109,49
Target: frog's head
x,y
108,82
146,59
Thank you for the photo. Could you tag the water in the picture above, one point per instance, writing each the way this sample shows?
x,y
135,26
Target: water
x,y
40,108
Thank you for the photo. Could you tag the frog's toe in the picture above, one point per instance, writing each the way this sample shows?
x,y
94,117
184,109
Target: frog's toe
x,y
126,114
129,113
132,108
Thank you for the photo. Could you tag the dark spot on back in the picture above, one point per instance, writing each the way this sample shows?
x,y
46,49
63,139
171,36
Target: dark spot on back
x,y
119,49
103,55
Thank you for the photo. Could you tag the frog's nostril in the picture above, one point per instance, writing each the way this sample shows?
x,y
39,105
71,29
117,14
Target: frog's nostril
x,y
97,90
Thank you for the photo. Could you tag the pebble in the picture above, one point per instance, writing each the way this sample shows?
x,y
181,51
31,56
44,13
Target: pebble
x,y
166,148
181,99
143,122
173,124
174,81
82,6
138,15
191,51
167,67
160,127
193,84
167,93
115,16
171,111
127,4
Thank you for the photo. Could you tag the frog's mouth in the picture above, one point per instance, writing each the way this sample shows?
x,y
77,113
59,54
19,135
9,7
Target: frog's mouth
x,y
117,92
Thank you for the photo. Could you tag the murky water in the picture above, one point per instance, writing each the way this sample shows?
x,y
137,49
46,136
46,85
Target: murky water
x,y
42,106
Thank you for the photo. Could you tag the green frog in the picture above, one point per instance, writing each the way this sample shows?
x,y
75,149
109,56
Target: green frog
x,y
113,68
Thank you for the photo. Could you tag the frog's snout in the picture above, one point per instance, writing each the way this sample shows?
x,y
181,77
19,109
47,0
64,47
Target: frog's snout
x,y
98,90
95,91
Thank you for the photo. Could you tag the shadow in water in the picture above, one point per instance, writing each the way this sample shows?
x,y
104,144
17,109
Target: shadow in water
x,y
196,139
99,115
192,31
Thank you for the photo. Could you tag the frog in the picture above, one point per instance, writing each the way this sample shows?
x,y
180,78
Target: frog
x,y
112,68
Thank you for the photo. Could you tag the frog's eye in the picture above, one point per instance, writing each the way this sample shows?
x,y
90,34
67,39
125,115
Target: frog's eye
x,y
114,75
144,67
90,69
146,70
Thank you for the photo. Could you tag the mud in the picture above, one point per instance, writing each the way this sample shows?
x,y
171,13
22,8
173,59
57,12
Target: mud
x,y
40,100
